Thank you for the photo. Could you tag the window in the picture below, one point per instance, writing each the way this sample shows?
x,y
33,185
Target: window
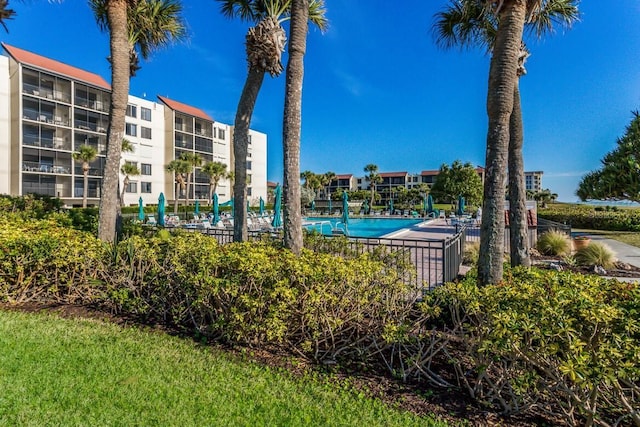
x,y
145,187
131,129
248,164
145,169
145,114
132,187
249,139
220,133
214,132
132,111
145,132
131,163
249,191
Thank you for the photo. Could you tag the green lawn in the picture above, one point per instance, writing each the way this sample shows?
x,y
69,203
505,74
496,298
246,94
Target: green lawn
x,y
64,372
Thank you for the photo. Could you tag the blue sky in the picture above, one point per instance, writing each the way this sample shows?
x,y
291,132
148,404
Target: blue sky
x,y
378,90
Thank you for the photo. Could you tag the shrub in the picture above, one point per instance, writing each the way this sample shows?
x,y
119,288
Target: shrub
x,y
595,254
41,261
556,340
589,217
554,242
471,253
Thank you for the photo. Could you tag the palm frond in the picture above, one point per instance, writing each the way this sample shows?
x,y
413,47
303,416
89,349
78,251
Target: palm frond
x,y
5,13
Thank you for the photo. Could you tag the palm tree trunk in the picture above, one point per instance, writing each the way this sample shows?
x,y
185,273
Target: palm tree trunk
x,y
292,123
119,47
124,189
240,148
186,193
518,231
175,199
502,81
85,190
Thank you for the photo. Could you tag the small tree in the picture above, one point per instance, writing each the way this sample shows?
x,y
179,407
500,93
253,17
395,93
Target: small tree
x,y
194,160
458,180
180,169
128,170
619,176
86,154
215,171
374,178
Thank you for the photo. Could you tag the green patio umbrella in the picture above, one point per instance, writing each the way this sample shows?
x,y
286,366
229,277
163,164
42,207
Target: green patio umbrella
x,y
461,205
329,206
391,206
248,207
365,207
140,210
261,206
345,210
161,202
429,204
277,207
216,209
196,209
313,206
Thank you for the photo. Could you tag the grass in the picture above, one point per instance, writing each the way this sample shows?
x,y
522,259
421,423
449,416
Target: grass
x,y
56,371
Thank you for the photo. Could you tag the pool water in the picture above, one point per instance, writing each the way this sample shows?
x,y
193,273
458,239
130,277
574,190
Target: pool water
x,y
363,227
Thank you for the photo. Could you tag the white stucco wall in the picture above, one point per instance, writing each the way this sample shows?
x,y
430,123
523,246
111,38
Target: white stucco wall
x,y
258,171
147,151
5,130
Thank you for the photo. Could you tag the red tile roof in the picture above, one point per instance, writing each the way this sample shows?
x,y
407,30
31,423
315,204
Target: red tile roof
x,y
29,58
346,176
532,218
392,174
431,172
184,108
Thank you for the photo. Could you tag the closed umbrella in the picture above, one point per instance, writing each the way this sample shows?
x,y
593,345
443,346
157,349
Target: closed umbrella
x,y
261,206
313,206
216,209
277,207
161,202
196,209
461,205
429,204
140,210
391,206
345,209
329,206
365,207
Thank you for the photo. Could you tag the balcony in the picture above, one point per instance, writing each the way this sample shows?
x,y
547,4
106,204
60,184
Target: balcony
x,y
92,171
46,168
92,126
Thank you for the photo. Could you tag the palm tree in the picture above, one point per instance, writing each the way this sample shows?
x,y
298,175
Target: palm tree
x,y
215,171
194,160
307,176
133,26
374,178
86,154
5,13
301,12
128,170
327,179
264,47
469,23
180,168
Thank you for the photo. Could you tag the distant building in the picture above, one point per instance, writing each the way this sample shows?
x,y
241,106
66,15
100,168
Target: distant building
x,y
533,181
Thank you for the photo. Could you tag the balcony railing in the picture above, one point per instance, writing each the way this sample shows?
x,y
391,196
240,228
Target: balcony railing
x,y
46,168
95,127
92,171
92,104
54,144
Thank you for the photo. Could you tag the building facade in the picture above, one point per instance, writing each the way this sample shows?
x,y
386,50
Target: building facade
x,y
533,181
49,109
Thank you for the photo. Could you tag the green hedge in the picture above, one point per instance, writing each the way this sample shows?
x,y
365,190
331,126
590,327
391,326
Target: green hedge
x,y
594,218
561,341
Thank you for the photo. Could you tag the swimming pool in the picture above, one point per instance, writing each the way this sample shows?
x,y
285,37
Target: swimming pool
x,y
362,227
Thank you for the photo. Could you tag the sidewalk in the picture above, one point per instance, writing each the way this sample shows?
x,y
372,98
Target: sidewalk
x,y
624,253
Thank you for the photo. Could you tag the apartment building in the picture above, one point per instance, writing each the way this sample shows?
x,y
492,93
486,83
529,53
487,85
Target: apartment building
x,y
533,180
49,109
